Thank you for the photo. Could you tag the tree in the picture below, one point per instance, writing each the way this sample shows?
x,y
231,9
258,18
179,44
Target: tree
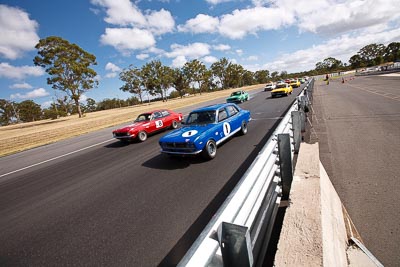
x,y
63,106
248,78
131,101
283,74
68,66
274,75
29,111
356,62
261,76
208,82
158,78
111,103
167,79
372,54
90,105
392,52
6,112
329,64
234,75
134,81
195,70
179,81
219,70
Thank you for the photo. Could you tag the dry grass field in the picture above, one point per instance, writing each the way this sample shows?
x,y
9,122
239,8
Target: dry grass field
x,y
23,136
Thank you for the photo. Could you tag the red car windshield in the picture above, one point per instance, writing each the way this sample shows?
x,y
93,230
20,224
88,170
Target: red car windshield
x,y
143,117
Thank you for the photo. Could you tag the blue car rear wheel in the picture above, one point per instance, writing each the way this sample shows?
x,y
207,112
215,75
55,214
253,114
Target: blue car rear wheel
x,y
243,128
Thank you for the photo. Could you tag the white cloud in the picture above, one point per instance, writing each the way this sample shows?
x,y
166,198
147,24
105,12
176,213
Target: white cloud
x,y
12,72
342,48
124,13
215,2
17,31
142,56
121,12
21,86
249,21
127,39
210,59
221,47
97,78
239,52
200,24
155,50
325,17
40,92
261,2
252,58
240,23
112,67
135,30
83,98
160,22
178,62
46,104
113,70
335,17
111,75
191,51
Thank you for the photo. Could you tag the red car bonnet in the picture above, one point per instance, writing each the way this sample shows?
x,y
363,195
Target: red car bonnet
x,y
127,128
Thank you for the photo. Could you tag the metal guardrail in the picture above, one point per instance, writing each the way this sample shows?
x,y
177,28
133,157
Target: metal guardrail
x,y
379,72
239,233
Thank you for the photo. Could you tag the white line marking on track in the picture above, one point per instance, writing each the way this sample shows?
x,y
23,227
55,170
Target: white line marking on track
x,y
61,156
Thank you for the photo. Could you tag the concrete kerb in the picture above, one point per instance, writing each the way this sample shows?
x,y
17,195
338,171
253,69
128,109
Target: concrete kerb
x,y
315,230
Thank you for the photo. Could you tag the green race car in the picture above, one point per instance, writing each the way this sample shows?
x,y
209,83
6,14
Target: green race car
x,y
238,97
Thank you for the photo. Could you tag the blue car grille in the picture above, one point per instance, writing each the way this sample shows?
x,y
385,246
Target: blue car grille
x,y
178,147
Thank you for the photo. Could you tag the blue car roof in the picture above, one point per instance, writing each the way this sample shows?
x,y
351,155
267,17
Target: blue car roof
x,y
212,107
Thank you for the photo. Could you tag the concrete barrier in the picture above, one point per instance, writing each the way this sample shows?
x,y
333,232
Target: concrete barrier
x,y
314,227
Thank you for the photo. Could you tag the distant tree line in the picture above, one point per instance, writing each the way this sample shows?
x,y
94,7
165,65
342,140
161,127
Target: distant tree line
x,y
69,70
368,56
27,111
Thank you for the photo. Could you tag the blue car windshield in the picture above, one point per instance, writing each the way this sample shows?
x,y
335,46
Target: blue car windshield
x,y
201,117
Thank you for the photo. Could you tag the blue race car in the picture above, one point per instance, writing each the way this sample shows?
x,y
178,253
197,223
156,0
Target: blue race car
x,y
204,129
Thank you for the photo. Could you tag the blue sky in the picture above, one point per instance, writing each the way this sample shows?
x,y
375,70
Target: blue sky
x,y
277,35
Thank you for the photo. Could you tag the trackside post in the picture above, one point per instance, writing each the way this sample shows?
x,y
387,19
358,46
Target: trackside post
x,y
285,163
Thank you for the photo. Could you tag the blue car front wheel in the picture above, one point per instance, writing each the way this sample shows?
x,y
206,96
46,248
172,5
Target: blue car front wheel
x,y
210,150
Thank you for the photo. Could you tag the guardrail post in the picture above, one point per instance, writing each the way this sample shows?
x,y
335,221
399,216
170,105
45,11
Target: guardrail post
x,y
235,244
296,122
302,121
285,162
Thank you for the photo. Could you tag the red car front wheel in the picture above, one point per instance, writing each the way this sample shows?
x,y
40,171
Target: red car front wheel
x,y
142,136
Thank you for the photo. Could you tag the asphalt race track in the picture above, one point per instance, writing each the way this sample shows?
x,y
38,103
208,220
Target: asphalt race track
x,y
93,201
358,130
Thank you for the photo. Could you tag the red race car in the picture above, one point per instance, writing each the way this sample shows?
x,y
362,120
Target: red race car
x,y
149,123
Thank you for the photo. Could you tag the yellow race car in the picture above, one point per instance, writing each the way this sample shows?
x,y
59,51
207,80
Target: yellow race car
x,y
295,83
282,89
